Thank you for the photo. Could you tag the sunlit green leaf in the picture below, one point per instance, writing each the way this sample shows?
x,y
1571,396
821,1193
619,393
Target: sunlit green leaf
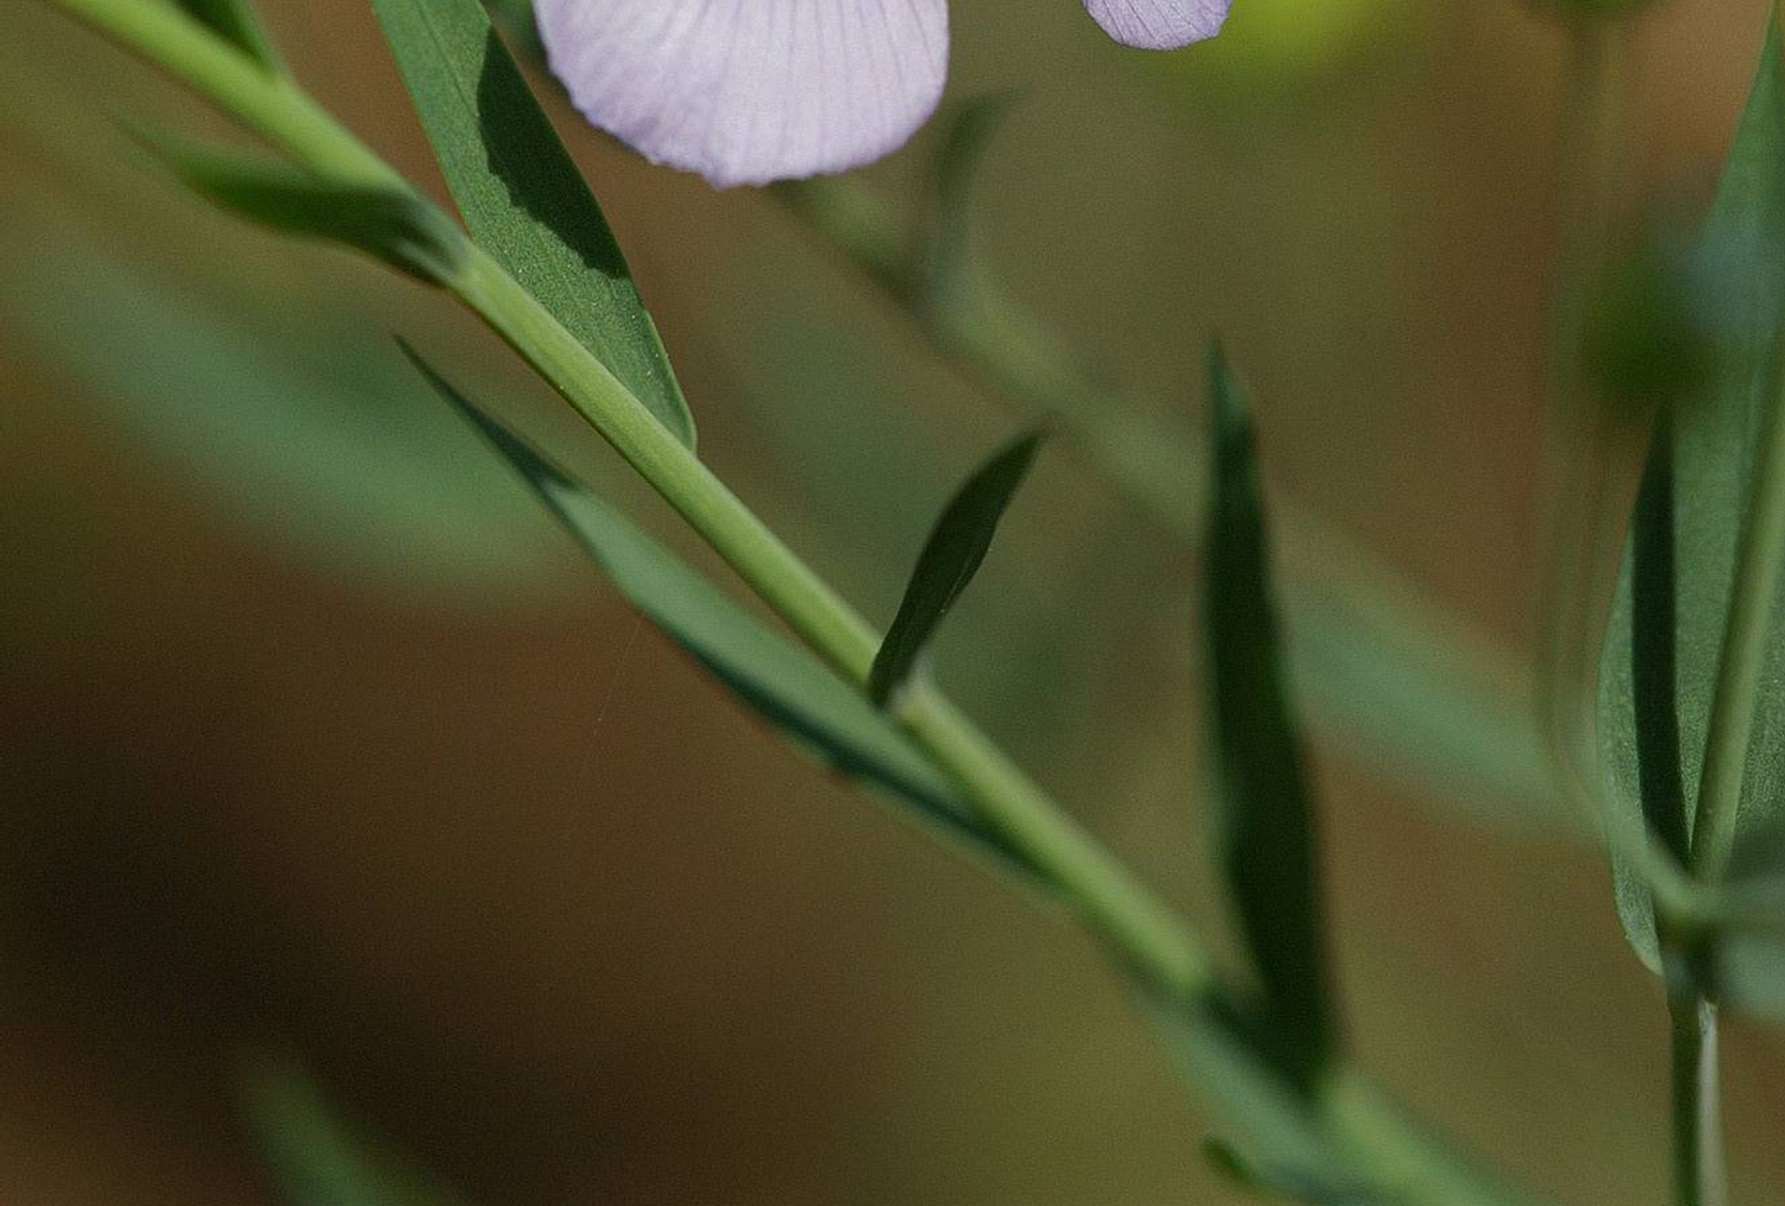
x,y
313,1155
953,554
782,682
1268,821
521,194
1742,254
237,21
391,224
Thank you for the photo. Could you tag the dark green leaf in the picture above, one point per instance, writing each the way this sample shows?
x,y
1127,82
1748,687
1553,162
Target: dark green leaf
x,y
521,194
782,682
392,224
1268,831
953,554
1652,761
236,21
316,1157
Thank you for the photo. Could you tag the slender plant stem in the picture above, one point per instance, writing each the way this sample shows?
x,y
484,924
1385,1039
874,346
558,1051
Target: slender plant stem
x,y
1698,1168
1143,933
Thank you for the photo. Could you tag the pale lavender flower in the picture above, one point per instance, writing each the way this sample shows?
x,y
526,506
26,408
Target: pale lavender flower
x,y
749,91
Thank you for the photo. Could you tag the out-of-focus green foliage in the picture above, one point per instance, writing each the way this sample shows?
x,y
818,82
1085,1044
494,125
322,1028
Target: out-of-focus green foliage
x,y
314,1155
1285,1150
1650,339
522,197
304,426
1279,47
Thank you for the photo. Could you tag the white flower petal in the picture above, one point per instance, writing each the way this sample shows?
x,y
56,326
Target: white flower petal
x,y
1159,24
749,91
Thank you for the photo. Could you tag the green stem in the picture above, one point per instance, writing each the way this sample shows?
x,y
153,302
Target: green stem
x,y
1698,1170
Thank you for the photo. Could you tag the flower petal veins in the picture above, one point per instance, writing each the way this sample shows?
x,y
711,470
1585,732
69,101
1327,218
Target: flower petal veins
x,y
749,91
1159,24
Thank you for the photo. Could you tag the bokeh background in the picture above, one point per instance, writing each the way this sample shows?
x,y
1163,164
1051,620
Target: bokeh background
x,y
317,737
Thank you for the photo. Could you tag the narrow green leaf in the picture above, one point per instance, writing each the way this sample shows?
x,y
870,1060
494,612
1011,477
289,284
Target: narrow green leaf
x,y
1651,761
236,21
313,1154
953,554
782,682
393,225
1268,830
521,194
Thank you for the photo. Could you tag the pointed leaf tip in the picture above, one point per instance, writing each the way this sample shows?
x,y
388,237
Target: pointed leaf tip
x,y
951,557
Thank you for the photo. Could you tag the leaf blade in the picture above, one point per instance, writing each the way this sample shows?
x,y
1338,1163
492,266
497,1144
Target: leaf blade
x,y
521,195
952,555
1269,840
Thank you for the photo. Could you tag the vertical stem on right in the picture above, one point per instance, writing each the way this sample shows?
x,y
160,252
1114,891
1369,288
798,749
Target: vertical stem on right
x,y
1700,1178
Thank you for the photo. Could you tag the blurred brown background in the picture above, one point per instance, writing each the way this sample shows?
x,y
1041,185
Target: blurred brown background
x,y
345,751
